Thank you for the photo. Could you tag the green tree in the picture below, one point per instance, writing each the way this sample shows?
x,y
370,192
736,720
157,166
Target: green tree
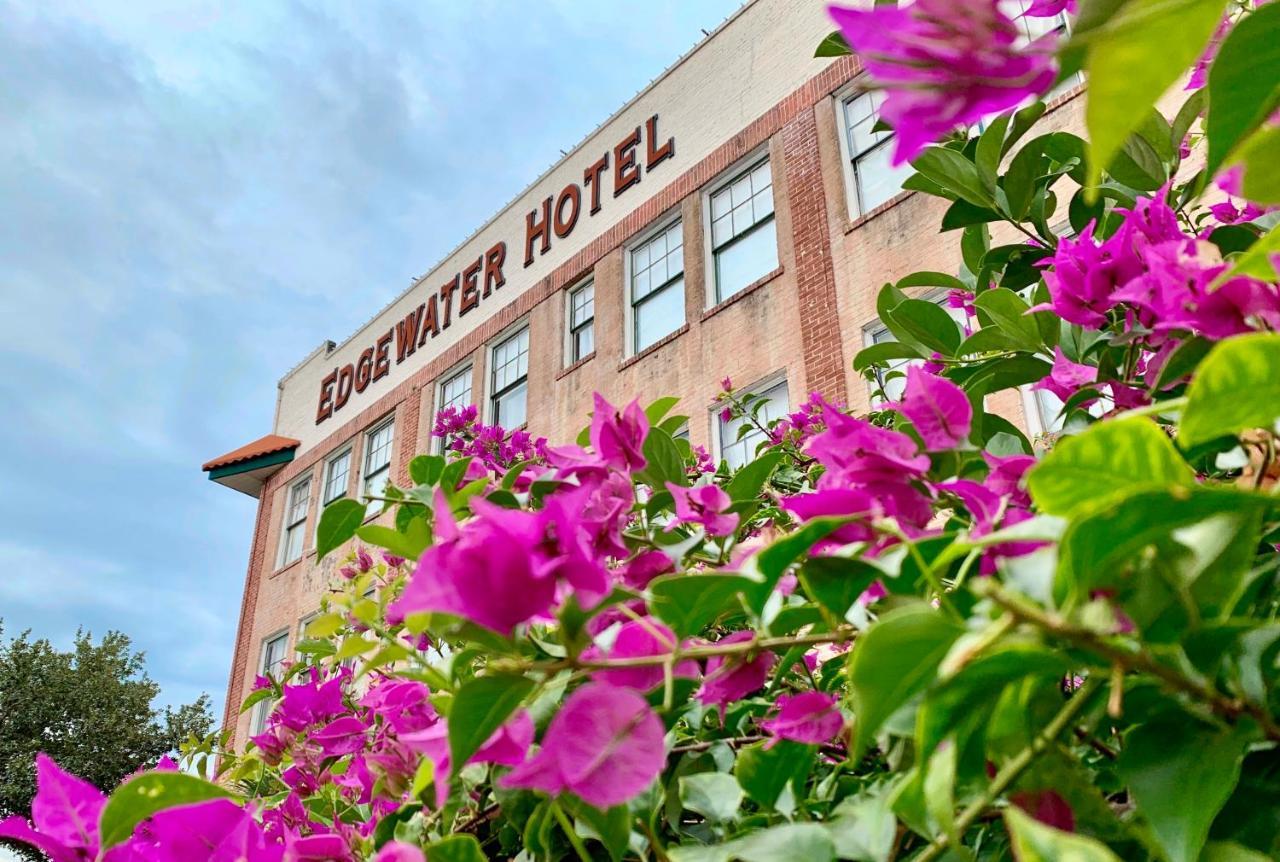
x,y
89,708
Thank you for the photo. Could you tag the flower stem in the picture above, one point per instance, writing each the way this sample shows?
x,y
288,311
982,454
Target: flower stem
x,y
569,832
1131,659
1012,770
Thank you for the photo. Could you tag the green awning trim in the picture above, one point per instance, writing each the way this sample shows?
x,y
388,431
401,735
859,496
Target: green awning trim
x,y
284,456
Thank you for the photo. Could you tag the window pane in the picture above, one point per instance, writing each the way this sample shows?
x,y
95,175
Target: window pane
x,y
509,409
299,498
335,484
738,452
1050,409
584,341
877,180
456,391
748,258
660,314
740,205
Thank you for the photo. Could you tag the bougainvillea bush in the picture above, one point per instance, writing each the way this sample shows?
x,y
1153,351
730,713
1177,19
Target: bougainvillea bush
x,y
914,634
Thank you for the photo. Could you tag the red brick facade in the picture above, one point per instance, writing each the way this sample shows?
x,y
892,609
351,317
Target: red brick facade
x,y
803,322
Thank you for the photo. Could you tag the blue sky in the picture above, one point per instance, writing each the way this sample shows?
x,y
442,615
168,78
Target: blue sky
x,y
193,195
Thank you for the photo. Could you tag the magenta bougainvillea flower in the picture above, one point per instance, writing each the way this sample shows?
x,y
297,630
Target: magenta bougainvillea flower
x,y
944,64
811,717
705,505
604,745
635,639
854,450
485,571
64,815
398,851
938,409
1050,8
1067,377
731,678
618,436
1085,274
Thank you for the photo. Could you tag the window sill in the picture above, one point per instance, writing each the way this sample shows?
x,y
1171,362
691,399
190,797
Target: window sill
x,y
892,202
745,292
655,347
569,369
287,566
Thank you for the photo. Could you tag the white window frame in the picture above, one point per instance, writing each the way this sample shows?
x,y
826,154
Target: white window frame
x,y
466,370
743,167
258,721
293,521
852,187
344,452
365,472
495,394
718,425
572,329
660,226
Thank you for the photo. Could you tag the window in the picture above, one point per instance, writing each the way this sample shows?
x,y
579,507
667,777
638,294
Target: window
x,y
455,391
740,436
744,245
510,380
582,321
377,462
295,521
273,654
873,179
336,473
657,287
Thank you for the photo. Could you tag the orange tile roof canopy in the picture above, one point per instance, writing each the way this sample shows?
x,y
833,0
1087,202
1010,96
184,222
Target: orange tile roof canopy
x,y
267,445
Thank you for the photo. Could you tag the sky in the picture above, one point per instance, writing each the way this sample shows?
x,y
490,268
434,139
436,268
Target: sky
x,y
193,196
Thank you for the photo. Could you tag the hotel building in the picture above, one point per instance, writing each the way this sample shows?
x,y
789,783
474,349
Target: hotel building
x,y
736,218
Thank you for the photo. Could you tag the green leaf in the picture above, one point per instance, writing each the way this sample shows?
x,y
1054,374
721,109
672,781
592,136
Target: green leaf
x,y
927,278
663,462
1190,111
1236,387
893,661
1229,851
833,46
714,795
1133,59
1257,261
863,827
917,321
479,708
987,155
1260,154
426,469
1180,773
765,772
747,482
409,547
255,698
612,828
1034,841
688,603
660,408
1020,179
1241,94
338,523
456,848
140,797
1004,309
1110,457
1097,546
777,557
879,354
954,172
836,582
790,842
